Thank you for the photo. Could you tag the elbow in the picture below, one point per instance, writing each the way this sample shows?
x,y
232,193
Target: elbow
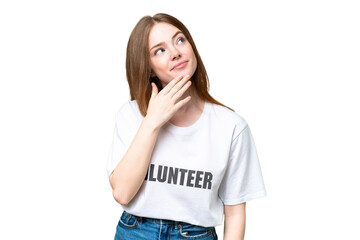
x,y
120,192
120,198
117,194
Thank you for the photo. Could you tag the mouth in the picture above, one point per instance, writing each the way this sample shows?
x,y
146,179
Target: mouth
x,y
179,65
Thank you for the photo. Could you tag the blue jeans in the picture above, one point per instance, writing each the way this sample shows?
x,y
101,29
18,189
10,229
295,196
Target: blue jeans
x,y
131,227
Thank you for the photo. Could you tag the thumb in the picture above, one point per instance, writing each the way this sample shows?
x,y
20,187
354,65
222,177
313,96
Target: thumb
x,y
154,90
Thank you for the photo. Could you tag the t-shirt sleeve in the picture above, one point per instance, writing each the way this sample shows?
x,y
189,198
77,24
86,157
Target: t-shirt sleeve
x,y
119,143
243,179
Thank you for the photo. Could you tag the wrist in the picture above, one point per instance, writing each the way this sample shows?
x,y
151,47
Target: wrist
x,y
151,124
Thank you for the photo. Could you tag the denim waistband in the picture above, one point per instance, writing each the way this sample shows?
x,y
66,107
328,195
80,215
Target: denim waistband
x,y
158,221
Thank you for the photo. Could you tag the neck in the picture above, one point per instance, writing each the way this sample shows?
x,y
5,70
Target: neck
x,y
194,102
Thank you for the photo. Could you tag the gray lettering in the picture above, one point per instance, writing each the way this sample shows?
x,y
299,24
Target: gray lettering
x,y
190,177
198,179
207,180
172,176
182,176
163,178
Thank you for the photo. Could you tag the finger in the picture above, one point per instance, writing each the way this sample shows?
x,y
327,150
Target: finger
x,y
171,84
154,91
179,93
182,103
179,85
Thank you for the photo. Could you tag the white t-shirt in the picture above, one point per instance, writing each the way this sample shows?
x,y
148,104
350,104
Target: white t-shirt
x,y
194,171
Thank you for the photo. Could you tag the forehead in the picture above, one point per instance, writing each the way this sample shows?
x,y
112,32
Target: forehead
x,y
161,32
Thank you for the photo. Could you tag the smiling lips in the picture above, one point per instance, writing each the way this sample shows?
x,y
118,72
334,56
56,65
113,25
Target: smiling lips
x,y
179,65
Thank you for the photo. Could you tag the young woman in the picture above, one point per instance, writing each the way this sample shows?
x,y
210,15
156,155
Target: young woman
x,y
179,159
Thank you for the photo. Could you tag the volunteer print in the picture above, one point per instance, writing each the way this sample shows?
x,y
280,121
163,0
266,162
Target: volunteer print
x,y
179,176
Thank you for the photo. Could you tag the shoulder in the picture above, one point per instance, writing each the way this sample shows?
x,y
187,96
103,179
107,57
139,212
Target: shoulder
x,y
123,109
128,106
128,111
229,118
224,114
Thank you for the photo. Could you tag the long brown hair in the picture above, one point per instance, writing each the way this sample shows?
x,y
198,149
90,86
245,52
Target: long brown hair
x,y
138,70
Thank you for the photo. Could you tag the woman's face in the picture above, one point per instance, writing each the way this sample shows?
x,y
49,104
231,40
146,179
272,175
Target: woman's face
x,y
171,54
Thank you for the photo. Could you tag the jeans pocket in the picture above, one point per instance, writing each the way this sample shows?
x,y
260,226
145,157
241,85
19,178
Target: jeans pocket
x,y
195,232
128,221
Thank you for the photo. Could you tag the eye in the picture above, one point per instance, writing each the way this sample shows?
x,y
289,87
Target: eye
x,y
181,40
158,51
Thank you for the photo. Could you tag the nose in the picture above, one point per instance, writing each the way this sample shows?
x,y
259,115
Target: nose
x,y
175,53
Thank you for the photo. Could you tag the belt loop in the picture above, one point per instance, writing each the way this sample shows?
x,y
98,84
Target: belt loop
x,y
139,219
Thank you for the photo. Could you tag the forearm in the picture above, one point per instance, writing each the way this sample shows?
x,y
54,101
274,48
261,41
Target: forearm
x,y
234,226
129,174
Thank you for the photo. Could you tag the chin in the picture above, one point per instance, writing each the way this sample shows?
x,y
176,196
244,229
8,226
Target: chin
x,y
186,72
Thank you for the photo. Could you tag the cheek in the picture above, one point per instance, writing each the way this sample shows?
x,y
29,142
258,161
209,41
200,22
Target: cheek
x,y
157,64
192,54
195,62
160,67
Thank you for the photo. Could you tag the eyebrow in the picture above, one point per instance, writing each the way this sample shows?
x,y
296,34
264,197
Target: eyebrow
x,y
163,42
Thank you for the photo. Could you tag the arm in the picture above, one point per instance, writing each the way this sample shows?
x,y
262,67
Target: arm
x,y
235,219
129,174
